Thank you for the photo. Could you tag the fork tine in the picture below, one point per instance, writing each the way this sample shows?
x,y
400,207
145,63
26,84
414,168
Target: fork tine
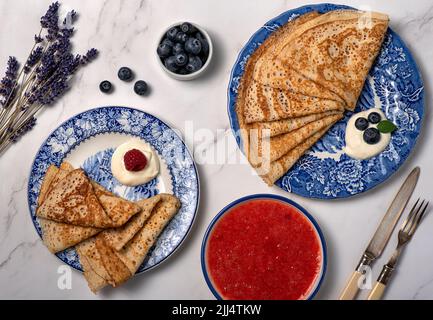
x,y
418,220
406,222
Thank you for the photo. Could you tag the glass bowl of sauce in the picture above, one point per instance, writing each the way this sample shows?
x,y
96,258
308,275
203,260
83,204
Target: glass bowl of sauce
x,y
263,247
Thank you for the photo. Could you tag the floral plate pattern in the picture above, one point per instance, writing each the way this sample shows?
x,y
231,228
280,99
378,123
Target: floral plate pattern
x,y
112,121
394,84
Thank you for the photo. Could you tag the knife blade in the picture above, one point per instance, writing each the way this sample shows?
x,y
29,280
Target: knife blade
x,y
382,234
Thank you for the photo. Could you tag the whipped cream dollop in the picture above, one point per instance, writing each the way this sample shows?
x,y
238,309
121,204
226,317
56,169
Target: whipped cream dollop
x,y
356,146
134,178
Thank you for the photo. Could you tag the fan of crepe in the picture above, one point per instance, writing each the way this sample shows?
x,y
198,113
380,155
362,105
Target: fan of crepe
x,y
336,50
58,236
268,149
260,98
279,167
73,201
265,103
104,265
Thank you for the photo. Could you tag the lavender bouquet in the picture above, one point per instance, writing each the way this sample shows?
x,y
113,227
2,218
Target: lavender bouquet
x,y
45,76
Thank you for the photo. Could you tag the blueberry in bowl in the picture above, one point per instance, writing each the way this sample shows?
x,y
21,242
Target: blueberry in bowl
x,y
184,50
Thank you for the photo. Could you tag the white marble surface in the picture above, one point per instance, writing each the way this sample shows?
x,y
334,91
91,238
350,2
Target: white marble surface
x,y
126,32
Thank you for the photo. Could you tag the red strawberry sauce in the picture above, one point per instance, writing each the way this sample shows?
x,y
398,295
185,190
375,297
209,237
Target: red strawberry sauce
x,y
263,249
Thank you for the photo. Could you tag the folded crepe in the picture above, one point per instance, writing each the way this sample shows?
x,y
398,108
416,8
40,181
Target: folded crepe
x,y
287,125
265,103
58,236
117,238
264,68
103,264
336,50
278,168
73,201
264,149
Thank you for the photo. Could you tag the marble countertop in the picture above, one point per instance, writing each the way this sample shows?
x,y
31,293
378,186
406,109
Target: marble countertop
x,y
126,33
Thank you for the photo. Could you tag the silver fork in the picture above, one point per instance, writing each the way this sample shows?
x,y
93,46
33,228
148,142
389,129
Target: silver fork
x,y
404,235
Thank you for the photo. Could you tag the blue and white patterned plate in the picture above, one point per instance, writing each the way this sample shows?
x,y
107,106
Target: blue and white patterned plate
x,y
88,140
394,84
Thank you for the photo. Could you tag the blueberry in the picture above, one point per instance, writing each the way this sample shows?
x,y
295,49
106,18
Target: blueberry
x,y
181,59
204,43
170,64
164,50
178,48
183,71
374,117
168,42
171,34
181,37
371,136
193,46
194,64
361,124
125,74
140,87
188,28
105,86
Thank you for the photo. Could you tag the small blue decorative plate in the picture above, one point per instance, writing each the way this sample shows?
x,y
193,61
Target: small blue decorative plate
x,y
88,140
394,84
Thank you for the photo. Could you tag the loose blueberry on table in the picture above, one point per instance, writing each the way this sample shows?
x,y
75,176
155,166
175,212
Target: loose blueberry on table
x,y
184,49
140,87
105,86
125,74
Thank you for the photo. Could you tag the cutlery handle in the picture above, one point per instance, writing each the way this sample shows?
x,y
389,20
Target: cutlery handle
x,y
352,287
377,292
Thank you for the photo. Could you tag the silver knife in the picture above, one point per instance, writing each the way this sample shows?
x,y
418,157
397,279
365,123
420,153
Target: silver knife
x,y
382,234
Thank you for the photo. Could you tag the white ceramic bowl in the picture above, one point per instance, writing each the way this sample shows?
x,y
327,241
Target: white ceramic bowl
x,y
193,75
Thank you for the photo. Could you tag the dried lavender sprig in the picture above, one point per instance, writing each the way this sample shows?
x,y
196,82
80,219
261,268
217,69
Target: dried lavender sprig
x,y
8,82
89,56
34,57
50,21
46,79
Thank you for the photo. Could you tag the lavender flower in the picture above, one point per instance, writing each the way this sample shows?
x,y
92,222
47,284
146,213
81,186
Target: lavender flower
x,y
89,56
50,21
7,84
47,71
27,126
34,58
38,38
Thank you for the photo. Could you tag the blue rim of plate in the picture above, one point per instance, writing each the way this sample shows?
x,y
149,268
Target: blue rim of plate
x,y
69,256
255,197
349,177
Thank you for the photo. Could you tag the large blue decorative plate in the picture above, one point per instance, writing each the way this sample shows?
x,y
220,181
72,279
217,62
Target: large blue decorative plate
x,y
88,140
394,84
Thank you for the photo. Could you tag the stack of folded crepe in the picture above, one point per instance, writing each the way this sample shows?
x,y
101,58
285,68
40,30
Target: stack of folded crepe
x,y
300,80
112,235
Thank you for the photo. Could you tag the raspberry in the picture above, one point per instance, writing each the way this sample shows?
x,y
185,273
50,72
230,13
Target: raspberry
x,y
134,160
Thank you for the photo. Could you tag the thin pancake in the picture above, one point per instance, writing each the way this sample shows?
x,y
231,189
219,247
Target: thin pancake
x,y
287,125
265,103
336,50
135,251
117,238
104,265
73,201
278,168
58,236
270,149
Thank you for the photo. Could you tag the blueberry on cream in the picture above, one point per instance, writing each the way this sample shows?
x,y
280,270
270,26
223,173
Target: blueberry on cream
x,y
363,138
